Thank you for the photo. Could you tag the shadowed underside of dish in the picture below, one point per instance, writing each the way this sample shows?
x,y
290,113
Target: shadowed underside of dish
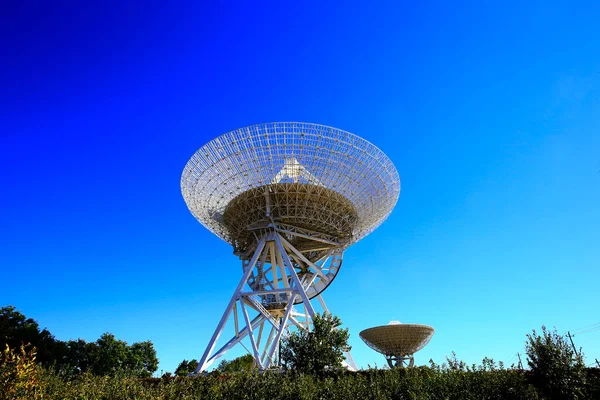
x,y
314,177
302,205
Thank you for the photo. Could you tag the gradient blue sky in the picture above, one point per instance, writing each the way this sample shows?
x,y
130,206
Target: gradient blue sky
x,y
490,113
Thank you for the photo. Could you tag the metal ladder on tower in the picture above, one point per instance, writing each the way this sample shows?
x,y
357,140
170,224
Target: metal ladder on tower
x,y
257,305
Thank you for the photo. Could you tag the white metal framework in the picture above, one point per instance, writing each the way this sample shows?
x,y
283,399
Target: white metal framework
x,y
257,155
398,342
290,198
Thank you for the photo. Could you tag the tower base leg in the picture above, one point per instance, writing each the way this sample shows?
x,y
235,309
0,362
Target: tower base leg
x,y
265,296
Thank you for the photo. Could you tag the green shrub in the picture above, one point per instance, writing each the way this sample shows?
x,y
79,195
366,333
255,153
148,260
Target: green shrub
x,y
556,370
453,380
19,374
317,350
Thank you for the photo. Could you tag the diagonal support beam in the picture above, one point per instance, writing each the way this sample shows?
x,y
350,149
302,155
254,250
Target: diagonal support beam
x,y
234,298
259,319
301,256
292,272
271,291
251,334
282,327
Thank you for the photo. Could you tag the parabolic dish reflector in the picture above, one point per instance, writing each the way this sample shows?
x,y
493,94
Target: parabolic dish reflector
x,y
397,339
311,176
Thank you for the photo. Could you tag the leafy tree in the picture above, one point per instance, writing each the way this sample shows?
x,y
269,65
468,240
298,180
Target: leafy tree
x,y
320,349
106,356
241,364
16,329
142,361
110,356
556,370
186,367
79,356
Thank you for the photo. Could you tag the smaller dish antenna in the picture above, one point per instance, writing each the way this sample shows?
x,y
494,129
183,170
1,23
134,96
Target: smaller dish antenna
x,y
398,342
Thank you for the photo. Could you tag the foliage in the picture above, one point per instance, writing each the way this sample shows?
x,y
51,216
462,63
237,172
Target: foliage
x,y
16,329
19,374
556,370
456,379
111,369
592,383
241,364
142,360
110,356
417,383
79,357
322,348
106,356
453,380
186,367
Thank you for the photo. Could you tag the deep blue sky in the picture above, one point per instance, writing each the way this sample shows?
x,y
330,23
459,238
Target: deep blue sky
x,y
491,115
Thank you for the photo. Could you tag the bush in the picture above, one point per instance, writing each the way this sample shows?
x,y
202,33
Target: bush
x,y
485,382
556,370
556,373
19,374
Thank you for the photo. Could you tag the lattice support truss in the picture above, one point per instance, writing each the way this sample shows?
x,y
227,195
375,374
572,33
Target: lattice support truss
x,y
272,298
407,361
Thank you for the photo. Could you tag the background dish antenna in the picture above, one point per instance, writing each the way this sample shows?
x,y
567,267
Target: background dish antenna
x,y
398,342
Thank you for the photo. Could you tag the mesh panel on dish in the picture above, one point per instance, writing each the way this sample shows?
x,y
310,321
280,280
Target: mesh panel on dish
x,y
308,175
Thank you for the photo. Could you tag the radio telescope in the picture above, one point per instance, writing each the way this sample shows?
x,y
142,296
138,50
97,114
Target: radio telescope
x,y
398,342
289,197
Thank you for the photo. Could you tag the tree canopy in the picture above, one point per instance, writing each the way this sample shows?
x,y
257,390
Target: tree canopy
x,y
16,329
240,364
186,367
317,350
106,356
